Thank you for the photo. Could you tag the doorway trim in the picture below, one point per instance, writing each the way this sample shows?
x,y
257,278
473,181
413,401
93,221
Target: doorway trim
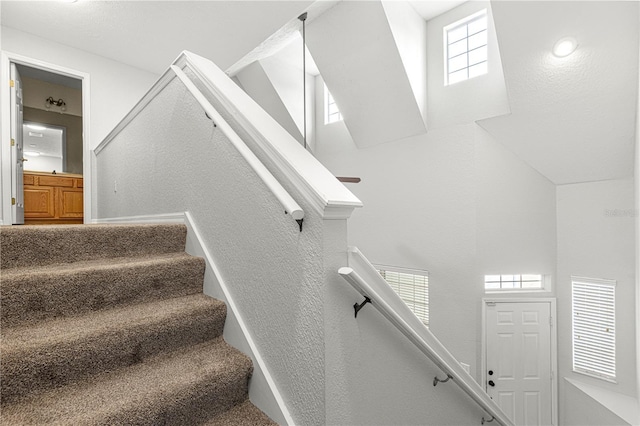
x,y
6,59
554,343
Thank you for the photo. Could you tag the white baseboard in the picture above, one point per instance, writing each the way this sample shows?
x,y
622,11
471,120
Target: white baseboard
x,y
263,391
154,218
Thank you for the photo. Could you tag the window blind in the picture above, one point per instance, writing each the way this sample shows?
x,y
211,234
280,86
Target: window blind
x,y
594,336
412,288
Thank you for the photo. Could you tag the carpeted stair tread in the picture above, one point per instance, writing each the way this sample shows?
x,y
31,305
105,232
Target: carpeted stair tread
x,y
185,387
57,244
57,352
28,295
107,325
244,414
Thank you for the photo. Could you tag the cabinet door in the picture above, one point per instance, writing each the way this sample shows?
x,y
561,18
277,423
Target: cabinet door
x,y
39,202
70,203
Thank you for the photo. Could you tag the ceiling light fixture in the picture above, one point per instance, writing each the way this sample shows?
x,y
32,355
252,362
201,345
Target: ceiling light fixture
x,y
59,103
565,47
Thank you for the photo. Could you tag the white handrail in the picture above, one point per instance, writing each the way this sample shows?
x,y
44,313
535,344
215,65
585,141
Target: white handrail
x,y
434,350
289,204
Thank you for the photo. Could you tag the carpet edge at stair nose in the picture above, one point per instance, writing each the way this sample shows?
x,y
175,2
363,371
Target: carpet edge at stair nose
x,y
65,351
184,387
28,295
57,244
243,414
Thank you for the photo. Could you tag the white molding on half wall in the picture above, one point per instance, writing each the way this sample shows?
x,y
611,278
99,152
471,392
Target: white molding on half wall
x,y
154,218
263,391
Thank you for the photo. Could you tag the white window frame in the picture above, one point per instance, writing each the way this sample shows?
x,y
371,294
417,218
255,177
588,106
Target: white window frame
x,y
445,37
328,102
422,314
545,283
593,318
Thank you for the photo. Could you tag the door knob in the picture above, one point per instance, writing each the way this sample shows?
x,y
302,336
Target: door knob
x,y
24,159
491,383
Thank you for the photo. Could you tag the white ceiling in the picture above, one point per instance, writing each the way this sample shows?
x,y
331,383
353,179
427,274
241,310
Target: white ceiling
x,y
151,34
573,120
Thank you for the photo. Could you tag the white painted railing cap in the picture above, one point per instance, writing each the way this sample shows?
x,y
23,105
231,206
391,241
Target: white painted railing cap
x,y
328,196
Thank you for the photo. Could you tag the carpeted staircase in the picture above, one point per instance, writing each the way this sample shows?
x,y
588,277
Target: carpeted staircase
x,y
107,325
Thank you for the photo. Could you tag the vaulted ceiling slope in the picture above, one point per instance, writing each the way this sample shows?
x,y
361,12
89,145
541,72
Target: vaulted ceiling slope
x,y
573,119
150,34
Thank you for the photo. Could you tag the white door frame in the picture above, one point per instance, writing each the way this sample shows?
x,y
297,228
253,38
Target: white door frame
x,y
6,59
554,343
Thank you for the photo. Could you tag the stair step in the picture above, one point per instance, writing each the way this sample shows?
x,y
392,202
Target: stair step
x,y
62,351
33,246
29,295
244,414
188,386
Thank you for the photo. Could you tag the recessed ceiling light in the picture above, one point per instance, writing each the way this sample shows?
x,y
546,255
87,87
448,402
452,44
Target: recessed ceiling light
x,y
565,47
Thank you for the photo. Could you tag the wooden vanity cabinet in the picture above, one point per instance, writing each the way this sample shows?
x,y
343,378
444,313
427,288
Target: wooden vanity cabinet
x,y
53,199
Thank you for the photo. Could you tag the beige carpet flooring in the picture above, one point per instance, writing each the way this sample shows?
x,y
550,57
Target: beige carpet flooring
x,y
107,325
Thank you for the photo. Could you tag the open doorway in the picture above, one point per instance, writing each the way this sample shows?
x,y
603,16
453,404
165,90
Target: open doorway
x,y
45,166
52,147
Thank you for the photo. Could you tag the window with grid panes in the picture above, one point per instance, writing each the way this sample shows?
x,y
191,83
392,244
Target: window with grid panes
x,y
412,287
513,282
594,327
331,112
466,48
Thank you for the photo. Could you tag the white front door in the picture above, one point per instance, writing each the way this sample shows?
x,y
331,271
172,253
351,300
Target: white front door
x,y
17,158
518,360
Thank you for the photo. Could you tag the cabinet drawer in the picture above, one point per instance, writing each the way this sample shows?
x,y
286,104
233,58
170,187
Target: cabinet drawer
x,y
55,181
29,180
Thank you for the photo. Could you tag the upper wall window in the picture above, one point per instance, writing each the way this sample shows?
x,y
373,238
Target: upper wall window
x,y
518,282
331,111
465,48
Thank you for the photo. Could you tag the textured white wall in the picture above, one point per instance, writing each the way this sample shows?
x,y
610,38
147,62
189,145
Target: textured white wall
x,y
36,91
356,53
453,202
637,195
516,211
410,34
580,409
172,159
287,81
115,87
330,367
596,239
256,83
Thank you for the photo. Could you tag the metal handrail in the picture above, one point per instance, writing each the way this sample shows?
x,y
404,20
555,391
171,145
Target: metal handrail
x,y
415,335
289,204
